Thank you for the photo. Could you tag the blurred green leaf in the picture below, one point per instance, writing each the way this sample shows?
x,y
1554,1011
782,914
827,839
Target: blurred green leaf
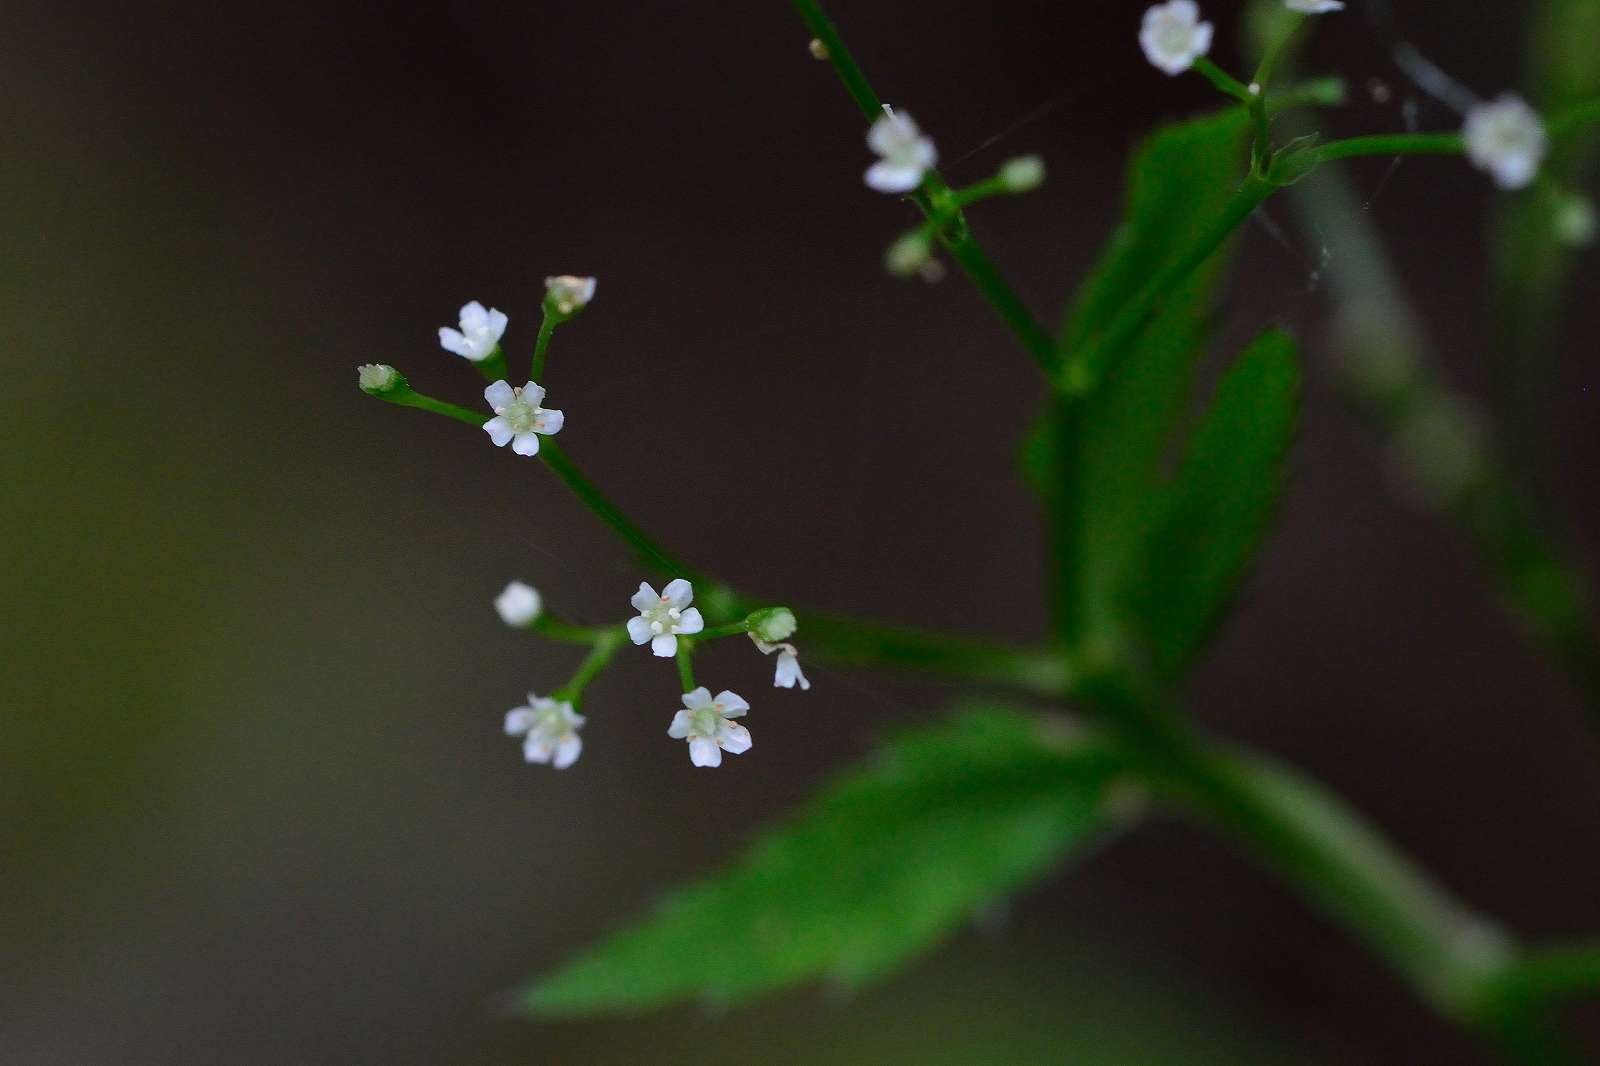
x,y
1179,181
886,860
1210,521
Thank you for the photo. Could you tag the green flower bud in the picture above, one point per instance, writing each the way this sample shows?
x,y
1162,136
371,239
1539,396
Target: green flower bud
x,y
1022,174
378,378
908,255
772,624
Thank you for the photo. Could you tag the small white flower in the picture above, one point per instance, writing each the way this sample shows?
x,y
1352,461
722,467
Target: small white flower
x,y
1506,137
518,418
1173,36
704,723
1314,7
569,294
662,617
519,604
479,334
906,153
788,671
377,377
550,731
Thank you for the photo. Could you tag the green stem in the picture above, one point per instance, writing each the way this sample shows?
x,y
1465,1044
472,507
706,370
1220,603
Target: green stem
x,y
1551,975
848,642
963,247
554,629
600,655
732,629
555,457
407,397
1389,144
685,665
541,345
1225,82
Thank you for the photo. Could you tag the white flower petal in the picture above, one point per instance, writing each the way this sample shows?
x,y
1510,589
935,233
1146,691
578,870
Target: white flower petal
x,y
495,325
549,422
680,726
893,177
472,315
500,395
567,751
519,721
691,621
703,751
664,645
452,341
697,698
731,704
678,593
525,444
532,394
639,629
734,739
499,431
645,598
537,748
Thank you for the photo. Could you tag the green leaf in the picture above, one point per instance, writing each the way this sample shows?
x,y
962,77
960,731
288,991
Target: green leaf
x,y
886,860
1180,181
1208,524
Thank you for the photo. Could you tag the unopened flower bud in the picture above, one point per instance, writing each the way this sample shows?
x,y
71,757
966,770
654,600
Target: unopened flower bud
x,y
568,294
1575,222
379,377
772,624
908,255
519,604
1022,174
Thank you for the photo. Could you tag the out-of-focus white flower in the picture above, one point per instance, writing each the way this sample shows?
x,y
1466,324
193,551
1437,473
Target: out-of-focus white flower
x,y
479,334
1314,7
1575,221
569,294
787,673
1506,137
519,604
1173,36
662,618
705,723
518,418
906,153
377,377
549,729
772,624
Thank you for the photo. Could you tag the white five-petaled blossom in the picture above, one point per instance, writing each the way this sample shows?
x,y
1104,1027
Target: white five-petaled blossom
x,y
906,153
704,723
479,334
1314,7
519,604
787,673
518,418
568,293
1506,137
549,729
662,618
1173,36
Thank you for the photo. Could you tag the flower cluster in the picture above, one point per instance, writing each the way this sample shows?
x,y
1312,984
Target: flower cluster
x,y
1504,137
549,726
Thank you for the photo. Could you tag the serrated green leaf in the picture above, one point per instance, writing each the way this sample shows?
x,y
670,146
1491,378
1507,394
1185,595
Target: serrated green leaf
x,y
1210,521
886,860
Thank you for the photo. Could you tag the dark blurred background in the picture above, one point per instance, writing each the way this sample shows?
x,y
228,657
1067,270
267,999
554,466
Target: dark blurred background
x,y
257,806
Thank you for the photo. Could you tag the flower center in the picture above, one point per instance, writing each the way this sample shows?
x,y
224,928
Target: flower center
x,y
663,618
1173,35
521,415
705,721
